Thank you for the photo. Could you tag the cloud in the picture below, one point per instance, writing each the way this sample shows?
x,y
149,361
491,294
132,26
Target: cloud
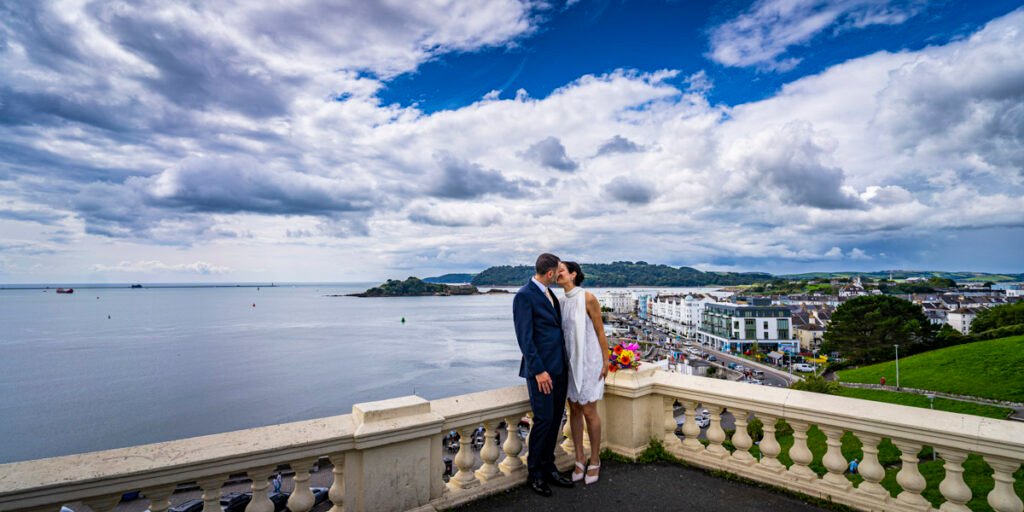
x,y
618,144
242,184
550,152
38,216
198,267
762,35
460,179
631,190
460,215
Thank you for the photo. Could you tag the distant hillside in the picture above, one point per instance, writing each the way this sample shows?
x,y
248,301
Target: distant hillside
x,y
625,273
450,279
989,369
960,277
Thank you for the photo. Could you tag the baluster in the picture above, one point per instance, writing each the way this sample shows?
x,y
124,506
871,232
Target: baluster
x,y
465,478
159,497
337,491
715,434
834,461
690,429
489,454
953,488
105,503
260,490
211,492
302,498
800,454
672,443
770,448
512,447
1003,498
871,470
909,477
526,440
741,439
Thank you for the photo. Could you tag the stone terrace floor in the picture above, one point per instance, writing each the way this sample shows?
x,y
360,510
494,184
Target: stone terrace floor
x,y
659,486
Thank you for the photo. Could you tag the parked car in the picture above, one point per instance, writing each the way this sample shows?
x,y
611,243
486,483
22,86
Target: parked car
x,y
758,374
280,500
803,367
320,495
235,501
712,358
188,506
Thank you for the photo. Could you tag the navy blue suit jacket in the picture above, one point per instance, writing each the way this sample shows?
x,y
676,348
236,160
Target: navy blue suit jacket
x,y
539,331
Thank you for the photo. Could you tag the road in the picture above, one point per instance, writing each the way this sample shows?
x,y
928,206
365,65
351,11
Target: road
x,y
774,378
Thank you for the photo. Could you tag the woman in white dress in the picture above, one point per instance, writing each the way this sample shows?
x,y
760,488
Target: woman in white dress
x,y
587,349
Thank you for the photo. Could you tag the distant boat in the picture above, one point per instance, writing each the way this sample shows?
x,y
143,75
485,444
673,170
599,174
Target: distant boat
x,y
136,286
65,290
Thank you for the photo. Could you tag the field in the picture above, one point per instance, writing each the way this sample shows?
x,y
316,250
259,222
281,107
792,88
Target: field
x,y
988,369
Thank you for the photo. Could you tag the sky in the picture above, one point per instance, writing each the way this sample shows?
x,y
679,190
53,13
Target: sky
x,y
248,141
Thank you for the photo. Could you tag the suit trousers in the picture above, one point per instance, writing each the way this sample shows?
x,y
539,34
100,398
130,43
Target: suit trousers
x,y
547,421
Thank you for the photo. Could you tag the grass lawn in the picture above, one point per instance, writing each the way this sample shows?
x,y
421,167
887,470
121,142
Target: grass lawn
x,y
941,404
989,369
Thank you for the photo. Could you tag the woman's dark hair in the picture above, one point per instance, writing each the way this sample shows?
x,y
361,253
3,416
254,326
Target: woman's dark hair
x,y
574,268
546,263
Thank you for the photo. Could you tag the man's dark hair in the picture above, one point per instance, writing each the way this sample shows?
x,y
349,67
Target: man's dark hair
x,y
546,263
574,268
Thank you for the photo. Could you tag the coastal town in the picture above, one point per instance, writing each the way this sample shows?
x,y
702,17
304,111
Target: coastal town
x,y
786,328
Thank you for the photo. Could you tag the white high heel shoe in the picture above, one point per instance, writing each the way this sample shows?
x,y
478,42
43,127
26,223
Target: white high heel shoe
x,y
576,477
591,479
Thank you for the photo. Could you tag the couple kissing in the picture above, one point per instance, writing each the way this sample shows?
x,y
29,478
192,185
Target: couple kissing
x,y
564,357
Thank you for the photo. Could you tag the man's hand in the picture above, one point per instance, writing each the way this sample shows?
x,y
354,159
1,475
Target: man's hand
x,y
544,383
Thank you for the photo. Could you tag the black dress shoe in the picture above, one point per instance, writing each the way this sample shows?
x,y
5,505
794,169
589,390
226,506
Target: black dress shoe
x,y
557,480
540,487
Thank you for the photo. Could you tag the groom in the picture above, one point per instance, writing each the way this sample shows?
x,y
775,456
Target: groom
x,y
538,320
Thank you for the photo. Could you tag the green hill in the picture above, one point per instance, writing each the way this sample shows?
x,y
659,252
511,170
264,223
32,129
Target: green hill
x,y
988,369
960,277
450,279
625,273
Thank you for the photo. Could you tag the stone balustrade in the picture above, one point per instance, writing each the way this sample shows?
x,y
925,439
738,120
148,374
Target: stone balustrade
x,y
647,398
387,455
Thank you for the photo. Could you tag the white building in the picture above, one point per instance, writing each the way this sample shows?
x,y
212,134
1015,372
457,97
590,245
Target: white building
x,y
736,327
961,319
620,301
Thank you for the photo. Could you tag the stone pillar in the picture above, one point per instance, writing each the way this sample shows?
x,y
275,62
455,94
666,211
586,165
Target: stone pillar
x,y
770,448
464,478
690,429
634,415
953,487
301,499
800,454
390,465
671,442
513,445
834,461
871,470
909,477
716,436
741,440
105,503
159,497
260,484
337,491
1003,498
489,454
211,492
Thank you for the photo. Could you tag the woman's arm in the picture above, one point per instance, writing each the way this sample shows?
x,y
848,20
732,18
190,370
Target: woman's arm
x,y
594,310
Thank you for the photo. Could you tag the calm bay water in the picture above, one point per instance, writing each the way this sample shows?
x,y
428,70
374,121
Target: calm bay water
x,y
172,363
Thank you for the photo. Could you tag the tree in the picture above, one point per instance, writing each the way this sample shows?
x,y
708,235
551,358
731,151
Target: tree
x,y
999,316
864,329
816,384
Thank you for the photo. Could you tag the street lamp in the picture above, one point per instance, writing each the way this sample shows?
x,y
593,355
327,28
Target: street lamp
x,y
897,367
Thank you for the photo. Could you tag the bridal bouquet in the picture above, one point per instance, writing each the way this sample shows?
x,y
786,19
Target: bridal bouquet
x,y
625,356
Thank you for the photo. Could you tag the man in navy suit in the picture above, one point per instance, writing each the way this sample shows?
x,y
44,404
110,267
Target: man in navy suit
x,y
538,320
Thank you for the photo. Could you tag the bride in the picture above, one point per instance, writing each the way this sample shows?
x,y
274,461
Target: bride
x,y
587,349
